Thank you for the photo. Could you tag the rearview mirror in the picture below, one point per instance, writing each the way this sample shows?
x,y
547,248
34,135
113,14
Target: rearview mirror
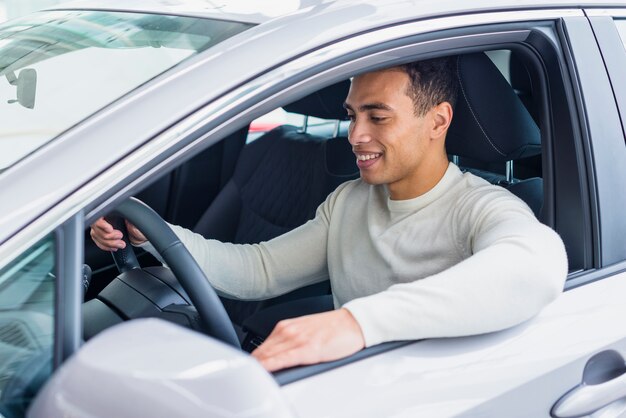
x,y
26,83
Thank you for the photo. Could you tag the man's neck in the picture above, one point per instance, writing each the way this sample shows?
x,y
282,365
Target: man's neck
x,y
421,182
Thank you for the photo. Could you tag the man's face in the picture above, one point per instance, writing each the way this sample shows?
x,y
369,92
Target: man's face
x,y
388,139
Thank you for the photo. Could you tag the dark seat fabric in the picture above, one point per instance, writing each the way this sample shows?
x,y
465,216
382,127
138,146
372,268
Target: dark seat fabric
x,y
260,325
492,125
180,197
279,181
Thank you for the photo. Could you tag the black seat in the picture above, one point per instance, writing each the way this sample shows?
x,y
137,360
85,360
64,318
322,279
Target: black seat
x,y
279,181
492,126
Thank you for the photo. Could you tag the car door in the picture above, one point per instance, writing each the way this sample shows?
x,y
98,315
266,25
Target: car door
x,y
567,361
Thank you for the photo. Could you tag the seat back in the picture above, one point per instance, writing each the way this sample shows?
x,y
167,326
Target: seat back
x,y
491,126
264,198
279,181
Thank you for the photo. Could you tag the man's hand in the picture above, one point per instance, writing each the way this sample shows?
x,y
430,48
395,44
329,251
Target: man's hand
x,y
109,239
311,339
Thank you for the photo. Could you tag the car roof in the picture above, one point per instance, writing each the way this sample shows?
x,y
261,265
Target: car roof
x,y
249,11
292,27
254,11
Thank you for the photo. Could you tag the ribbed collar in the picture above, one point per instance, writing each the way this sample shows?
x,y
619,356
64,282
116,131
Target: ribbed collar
x,y
449,179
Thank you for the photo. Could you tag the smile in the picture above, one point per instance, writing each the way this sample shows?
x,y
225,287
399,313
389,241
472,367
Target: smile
x,y
365,157
365,161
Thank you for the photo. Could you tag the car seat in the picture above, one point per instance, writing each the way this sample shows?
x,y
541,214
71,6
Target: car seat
x,y
492,125
279,181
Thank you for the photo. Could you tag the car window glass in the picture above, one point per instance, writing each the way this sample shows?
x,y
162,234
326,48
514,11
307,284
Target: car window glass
x,y
502,59
278,117
27,289
58,67
621,28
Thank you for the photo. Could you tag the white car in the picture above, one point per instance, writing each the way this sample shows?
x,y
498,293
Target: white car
x,y
106,100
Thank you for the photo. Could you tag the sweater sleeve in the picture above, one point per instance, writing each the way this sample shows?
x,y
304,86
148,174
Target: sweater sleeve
x,y
517,266
264,270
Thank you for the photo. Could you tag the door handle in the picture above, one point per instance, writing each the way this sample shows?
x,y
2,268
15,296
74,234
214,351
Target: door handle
x,y
604,382
586,399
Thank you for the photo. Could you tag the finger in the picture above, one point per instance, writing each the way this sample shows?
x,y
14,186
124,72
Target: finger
x,y
283,334
101,230
135,235
103,225
113,239
107,242
272,347
289,358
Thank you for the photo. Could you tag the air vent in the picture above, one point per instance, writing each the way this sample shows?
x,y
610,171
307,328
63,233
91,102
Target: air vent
x,y
16,334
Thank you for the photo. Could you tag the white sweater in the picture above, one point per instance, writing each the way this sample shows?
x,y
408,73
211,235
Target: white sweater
x,y
465,258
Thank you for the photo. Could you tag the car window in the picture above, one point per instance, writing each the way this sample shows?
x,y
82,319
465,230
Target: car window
x,y
621,28
278,117
58,67
27,300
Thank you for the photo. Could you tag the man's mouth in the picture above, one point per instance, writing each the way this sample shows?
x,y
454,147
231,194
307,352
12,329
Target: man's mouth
x,y
367,160
365,157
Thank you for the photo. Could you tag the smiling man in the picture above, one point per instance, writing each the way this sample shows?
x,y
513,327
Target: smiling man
x,y
414,248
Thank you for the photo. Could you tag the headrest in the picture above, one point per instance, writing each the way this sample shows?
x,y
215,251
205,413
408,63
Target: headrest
x,y
326,103
490,122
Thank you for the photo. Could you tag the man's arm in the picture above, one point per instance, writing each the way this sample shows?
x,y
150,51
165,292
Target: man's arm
x,y
518,266
260,271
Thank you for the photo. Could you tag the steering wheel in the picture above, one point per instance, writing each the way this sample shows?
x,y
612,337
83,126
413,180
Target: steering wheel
x,y
191,277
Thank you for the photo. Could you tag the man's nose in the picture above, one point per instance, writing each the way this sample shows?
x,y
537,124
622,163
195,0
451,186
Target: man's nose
x,y
358,133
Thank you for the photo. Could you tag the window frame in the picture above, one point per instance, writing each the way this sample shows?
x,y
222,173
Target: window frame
x,y
69,257
423,45
541,38
602,52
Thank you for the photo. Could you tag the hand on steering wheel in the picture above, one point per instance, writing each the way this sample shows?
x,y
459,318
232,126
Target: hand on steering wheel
x,y
191,277
109,234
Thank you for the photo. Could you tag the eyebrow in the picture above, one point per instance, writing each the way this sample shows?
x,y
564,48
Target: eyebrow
x,y
368,106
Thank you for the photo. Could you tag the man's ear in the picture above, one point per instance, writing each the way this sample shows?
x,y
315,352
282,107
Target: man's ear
x,y
441,119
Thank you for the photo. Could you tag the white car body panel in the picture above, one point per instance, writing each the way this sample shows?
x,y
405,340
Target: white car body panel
x,y
169,371
153,368
492,375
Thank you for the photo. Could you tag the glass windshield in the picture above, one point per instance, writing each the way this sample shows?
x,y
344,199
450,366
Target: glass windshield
x,y
27,298
58,67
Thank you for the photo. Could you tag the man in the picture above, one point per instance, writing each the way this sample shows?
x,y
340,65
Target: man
x,y
414,248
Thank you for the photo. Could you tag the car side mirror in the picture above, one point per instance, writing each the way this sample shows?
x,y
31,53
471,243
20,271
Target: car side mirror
x,y
150,367
26,83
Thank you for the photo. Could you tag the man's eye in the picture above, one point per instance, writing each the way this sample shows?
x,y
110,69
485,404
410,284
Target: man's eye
x,y
378,119
351,118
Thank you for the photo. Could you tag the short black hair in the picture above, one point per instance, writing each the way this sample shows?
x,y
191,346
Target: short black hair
x,y
432,82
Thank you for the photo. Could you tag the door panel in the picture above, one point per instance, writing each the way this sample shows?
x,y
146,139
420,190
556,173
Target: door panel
x,y
525,370
520,372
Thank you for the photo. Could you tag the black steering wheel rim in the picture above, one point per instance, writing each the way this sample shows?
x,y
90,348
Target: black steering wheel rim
x,y
191,277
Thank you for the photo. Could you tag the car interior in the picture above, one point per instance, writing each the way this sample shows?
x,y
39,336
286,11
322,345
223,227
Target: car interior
x,y
243,191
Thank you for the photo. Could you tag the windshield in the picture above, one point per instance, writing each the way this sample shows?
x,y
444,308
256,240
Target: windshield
x,y
58,67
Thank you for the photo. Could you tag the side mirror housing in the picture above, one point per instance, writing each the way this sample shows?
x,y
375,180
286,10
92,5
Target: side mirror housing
x,y
149,367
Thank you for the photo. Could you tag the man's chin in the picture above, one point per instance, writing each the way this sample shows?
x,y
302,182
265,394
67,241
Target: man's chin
x,y
373,180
